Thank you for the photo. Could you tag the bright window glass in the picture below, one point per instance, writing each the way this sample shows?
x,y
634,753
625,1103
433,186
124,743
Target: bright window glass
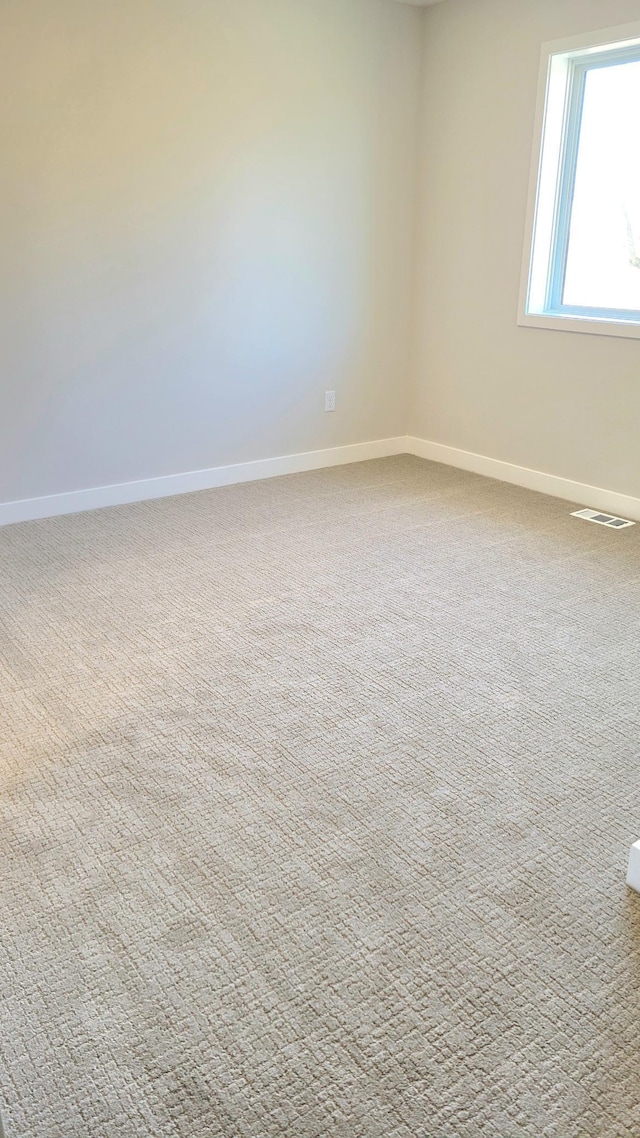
x,y
603,256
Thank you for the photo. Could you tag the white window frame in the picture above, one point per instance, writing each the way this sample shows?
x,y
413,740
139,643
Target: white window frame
x,y
563,68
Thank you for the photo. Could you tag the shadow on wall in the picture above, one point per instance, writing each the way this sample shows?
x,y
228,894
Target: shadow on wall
x,y
207,223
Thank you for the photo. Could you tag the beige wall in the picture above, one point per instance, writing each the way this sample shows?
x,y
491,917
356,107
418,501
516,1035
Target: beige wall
x,y
206,220
564,403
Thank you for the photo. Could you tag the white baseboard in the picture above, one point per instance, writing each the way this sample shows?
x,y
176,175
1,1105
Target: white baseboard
x,y
581,493
74,501
121,493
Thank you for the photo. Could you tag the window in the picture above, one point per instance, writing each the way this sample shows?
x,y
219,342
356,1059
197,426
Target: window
x,y
582,253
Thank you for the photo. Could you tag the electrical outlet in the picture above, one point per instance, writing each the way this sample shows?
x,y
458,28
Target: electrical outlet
x,y
329,400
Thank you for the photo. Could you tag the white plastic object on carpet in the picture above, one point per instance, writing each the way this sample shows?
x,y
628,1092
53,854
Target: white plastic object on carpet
x,y
633,875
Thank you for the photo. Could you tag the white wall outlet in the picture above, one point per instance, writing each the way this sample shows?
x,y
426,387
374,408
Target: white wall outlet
x,y
329,400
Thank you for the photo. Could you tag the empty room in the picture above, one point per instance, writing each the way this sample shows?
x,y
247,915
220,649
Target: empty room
x,y
320,569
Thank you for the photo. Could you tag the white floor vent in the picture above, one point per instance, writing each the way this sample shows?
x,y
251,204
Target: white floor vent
x,y
603,519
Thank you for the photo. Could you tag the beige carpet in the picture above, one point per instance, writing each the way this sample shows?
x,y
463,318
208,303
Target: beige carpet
x,y
315,802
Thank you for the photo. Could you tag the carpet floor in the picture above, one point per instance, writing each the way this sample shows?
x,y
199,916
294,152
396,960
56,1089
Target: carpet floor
x,y
315,803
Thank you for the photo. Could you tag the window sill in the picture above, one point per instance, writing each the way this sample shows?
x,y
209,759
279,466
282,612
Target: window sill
x,y
591,325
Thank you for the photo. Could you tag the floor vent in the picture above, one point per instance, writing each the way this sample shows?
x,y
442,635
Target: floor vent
x,y
603,519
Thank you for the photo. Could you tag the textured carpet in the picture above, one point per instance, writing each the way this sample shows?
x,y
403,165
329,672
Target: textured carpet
x,y
315,802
